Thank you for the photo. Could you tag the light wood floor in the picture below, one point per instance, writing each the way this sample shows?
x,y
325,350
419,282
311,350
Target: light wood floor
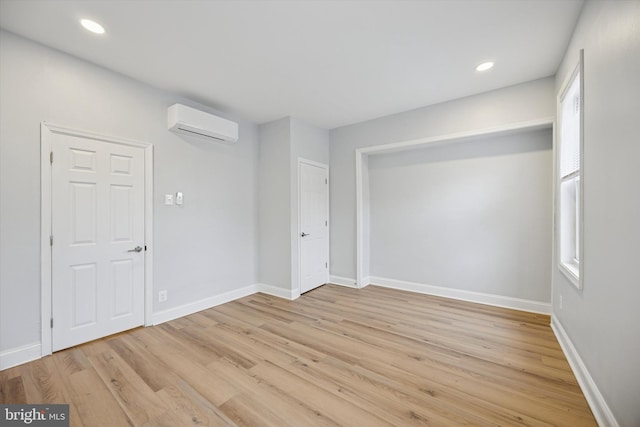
x,y
335,356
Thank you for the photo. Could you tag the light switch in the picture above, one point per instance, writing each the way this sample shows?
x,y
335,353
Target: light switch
x,y
179,198
168,199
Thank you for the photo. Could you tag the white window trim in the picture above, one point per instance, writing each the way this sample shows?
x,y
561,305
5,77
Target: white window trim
x,y
574,271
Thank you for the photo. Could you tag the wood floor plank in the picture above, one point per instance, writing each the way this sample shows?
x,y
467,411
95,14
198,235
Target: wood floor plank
x,y
334,357
137,400
216,390
185,407
448,357
326,403
146,365
30,380
61,394
387,400
249,412
298,411
12,391
97,406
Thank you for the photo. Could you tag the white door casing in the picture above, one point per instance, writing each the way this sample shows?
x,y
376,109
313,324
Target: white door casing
x,y
314,225
97,216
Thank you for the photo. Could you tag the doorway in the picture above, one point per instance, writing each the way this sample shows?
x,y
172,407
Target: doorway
x,y
97,261
313,208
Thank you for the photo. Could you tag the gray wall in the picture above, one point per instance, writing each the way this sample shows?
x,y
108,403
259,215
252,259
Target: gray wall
x,y
603,320
473,215
207,247
309,142
529,101
282,143
274,203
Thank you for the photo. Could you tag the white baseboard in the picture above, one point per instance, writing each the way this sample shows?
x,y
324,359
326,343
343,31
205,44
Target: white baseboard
x,y
18,356
203,304
343,281
31,352
366,281
471,296
276,291
28,353
596,402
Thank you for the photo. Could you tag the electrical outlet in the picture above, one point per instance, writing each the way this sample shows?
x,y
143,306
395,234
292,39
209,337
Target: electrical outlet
x,y
560,302
162,296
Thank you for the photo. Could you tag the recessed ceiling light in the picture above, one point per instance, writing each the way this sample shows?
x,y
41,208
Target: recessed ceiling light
x,y
92,26
484,66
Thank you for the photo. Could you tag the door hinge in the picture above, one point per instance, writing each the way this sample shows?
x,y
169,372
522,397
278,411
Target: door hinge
x,y
51,157
51,240
325,180
52,323
326,265
325,223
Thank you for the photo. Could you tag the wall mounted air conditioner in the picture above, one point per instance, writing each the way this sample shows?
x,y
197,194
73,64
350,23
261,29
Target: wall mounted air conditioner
x,y
189,121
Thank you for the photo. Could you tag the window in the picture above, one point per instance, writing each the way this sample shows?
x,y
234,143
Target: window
x,y
570,189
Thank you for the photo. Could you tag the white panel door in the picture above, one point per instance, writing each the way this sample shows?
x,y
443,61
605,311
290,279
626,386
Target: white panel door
x,y
314,235
98,239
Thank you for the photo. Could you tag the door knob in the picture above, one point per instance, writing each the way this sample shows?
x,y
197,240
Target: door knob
x,y
136,249
303,234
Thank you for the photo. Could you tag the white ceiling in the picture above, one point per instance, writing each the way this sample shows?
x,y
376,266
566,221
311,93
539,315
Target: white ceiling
x,y
329,63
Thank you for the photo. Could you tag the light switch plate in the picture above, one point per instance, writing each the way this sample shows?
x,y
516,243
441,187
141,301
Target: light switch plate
x,y
179,198
168,199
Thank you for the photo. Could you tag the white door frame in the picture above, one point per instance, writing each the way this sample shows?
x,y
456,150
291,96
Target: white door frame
x,y
298,238
46,132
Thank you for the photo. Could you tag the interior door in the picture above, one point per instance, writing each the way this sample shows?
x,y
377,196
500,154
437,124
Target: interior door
x,y
314,226
97,239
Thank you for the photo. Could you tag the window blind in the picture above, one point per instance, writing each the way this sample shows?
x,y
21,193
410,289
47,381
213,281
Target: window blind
x,y
570,130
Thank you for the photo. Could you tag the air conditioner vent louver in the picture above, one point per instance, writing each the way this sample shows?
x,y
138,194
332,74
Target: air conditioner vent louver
x,y
189,121
181,129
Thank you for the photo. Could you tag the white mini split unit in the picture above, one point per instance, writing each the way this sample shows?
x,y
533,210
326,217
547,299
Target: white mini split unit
x,y
189,121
